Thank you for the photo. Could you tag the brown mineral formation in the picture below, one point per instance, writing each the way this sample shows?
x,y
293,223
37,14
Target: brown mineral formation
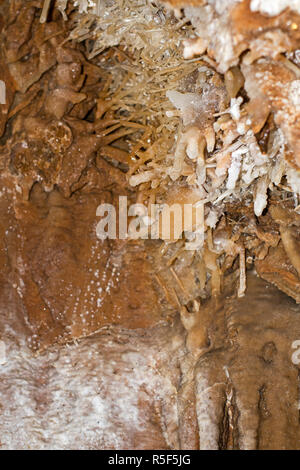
x,y
185,341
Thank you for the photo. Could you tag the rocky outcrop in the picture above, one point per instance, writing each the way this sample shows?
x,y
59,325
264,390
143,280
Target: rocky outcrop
x,y
143,344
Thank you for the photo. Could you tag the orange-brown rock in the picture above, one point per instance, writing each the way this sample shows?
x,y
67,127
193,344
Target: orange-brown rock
x,y
142,344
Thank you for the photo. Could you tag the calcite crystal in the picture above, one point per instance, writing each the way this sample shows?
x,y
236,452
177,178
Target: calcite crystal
x,y
179,342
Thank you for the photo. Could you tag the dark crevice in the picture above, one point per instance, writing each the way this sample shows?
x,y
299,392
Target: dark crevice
x,y
228,435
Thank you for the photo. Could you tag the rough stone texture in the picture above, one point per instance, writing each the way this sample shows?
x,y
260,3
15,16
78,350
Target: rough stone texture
x,y
73,283
132,353
143,389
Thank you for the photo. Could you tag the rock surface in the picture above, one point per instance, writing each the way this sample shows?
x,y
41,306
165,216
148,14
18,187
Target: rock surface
x,y
132,344
144,389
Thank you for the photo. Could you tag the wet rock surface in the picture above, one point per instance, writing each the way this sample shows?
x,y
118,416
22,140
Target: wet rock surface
x,y
129,344
146,389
